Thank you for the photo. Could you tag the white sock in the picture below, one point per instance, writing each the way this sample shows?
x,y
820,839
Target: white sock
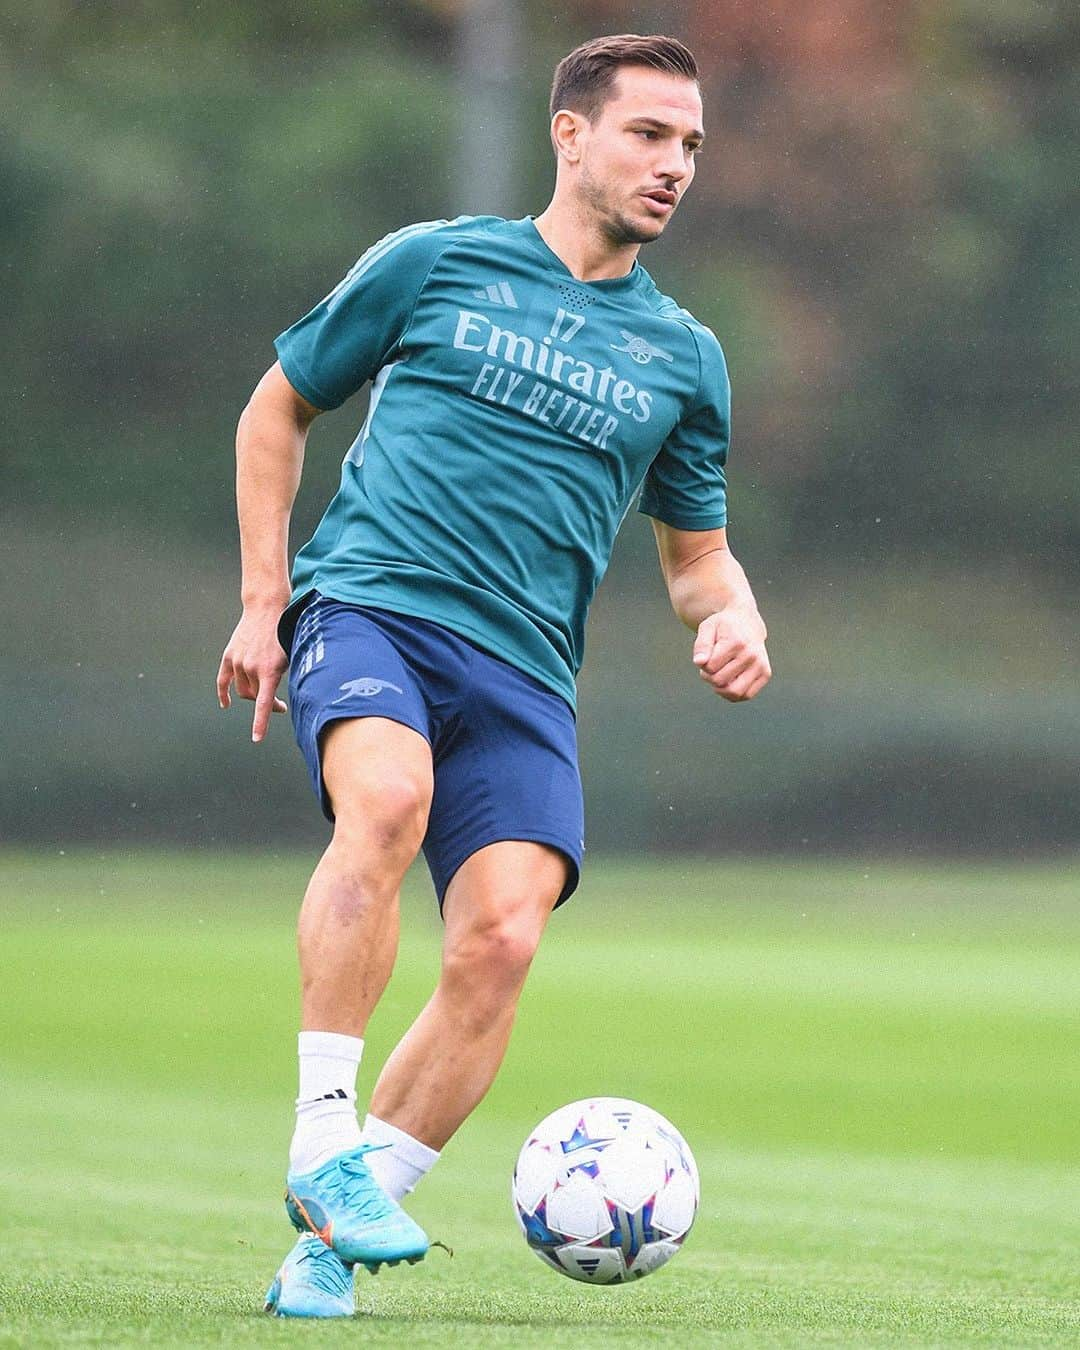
x,y
326,1122
399,1162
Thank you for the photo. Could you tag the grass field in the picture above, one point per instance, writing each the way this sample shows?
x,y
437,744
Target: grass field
x,y
878,1069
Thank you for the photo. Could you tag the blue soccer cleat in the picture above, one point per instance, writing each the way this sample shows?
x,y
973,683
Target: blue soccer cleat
x,y
313,1282
343,1204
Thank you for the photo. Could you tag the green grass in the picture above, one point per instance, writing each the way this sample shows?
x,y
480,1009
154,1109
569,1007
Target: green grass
x,y
878,1069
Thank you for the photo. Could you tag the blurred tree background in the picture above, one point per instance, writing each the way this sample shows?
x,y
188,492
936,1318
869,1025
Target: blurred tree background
x,y
883,233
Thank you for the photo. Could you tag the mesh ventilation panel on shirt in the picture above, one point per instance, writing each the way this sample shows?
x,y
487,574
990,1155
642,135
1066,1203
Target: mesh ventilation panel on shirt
x,y
573,297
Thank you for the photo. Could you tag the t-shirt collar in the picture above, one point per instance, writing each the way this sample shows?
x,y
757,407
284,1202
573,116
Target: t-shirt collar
x,y
612,285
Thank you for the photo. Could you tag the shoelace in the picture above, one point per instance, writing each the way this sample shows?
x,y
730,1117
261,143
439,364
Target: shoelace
x,y
326,1270
362,1194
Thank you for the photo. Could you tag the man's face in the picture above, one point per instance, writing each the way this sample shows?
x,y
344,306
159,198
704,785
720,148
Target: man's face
x,y
637,158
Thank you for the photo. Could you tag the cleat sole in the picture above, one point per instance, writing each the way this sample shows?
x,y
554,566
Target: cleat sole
x,y
373,1267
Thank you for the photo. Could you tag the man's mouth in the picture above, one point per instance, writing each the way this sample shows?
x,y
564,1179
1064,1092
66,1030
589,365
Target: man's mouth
x,y
661,199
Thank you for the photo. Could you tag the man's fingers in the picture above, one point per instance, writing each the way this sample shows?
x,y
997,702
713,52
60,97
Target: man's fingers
x,y
251,668
705,640
265,703
724,653
741,686
224,679
739,690
731,657
247,686
759,684
731,669
735,692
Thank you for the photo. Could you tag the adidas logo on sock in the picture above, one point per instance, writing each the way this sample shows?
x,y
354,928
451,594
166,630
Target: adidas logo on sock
x,y
498,293
338,1093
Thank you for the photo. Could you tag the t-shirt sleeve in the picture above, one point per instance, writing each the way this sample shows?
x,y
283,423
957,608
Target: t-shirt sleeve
x,y
685,486
344,341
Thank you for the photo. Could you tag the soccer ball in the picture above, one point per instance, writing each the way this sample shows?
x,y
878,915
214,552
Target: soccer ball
x,y
605,1190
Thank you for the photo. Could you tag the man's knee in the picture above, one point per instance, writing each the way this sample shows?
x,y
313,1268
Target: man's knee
x,y
490,958
496,909
389,811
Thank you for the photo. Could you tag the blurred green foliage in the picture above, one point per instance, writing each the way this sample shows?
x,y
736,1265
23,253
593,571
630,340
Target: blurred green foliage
x,y
884,233
185,181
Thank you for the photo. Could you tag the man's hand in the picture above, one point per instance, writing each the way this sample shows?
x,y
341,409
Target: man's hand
x,y
730,653
255,663
704,579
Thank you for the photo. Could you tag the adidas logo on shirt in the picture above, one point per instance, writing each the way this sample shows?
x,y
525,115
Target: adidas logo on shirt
x,y
498,293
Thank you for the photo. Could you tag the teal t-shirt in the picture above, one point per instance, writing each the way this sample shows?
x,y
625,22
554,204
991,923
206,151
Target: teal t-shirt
x,y
515,412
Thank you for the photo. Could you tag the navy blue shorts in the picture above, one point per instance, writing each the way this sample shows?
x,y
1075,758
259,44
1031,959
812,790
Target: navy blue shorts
x,y
504,746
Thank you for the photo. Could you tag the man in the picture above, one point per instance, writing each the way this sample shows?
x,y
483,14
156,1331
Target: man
x,y
528,379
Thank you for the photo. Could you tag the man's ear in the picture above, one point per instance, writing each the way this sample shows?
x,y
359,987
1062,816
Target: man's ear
x,y
566,130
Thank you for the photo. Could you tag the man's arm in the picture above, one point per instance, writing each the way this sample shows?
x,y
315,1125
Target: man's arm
x,y
270,439
710,593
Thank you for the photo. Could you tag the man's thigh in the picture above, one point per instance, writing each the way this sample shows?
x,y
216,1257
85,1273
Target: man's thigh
x,y
514,882
357,709
377,775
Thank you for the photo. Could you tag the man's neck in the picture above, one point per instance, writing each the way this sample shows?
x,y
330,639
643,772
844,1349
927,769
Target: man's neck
x,y
581,245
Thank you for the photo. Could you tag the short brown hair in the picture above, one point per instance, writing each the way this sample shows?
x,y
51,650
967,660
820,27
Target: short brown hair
x,y
584,79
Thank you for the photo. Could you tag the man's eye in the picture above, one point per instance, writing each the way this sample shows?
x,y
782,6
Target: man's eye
x,y
649,134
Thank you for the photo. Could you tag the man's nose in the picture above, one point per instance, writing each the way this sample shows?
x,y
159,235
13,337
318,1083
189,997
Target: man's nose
x,y
672,165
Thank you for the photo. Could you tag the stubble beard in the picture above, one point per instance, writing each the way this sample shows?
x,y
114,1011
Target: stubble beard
x,y
616,227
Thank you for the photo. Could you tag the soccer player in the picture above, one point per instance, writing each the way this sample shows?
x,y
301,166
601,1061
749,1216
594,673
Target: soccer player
x,y
528,381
